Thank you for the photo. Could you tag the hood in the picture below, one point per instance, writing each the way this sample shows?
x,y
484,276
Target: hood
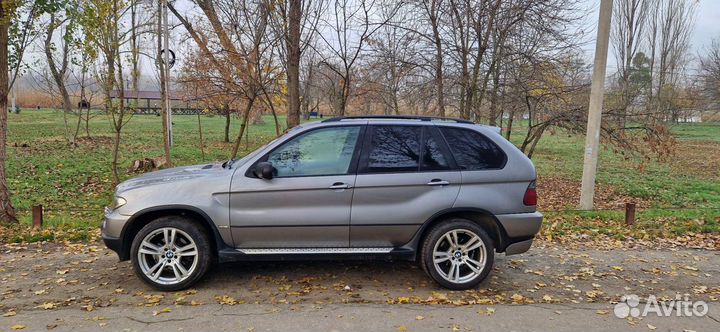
x,y
174,174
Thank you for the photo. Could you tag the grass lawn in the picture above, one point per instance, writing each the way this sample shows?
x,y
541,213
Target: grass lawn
x,y
74,183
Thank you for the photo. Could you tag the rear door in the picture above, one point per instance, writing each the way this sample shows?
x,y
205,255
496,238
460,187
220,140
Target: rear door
x,y
405,175
307,204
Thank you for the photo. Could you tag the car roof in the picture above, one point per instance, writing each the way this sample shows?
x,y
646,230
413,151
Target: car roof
x,y
398,120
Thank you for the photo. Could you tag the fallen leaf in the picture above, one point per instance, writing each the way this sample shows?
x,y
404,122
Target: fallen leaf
x,y
18,327
418,317
229,300
402,328
160,312
652,327
9,314
47,306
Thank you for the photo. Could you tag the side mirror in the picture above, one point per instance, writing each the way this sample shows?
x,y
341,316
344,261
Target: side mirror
x,y
264,170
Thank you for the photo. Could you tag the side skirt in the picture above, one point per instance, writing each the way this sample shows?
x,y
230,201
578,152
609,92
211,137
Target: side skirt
x,y
285,254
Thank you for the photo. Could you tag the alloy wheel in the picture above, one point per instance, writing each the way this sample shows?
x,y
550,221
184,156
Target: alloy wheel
x,y
167,256
459,256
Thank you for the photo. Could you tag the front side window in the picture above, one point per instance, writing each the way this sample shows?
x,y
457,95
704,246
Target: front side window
x,y
327,151
394,149
472,150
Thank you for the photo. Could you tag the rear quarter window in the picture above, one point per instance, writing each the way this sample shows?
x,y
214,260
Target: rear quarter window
x,y
472,150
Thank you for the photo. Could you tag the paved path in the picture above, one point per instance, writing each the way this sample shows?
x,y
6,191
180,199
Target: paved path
x,y
83,287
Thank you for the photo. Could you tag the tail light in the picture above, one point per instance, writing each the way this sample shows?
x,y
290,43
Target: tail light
x,y
530,197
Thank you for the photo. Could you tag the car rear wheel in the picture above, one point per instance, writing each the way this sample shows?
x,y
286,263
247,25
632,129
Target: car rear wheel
x,y
171,253
457,254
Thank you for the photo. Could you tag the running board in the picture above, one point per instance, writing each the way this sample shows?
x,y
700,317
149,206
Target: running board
x,y
313,251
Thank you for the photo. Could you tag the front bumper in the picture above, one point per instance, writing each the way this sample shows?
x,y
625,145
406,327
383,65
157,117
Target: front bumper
x,y
111,232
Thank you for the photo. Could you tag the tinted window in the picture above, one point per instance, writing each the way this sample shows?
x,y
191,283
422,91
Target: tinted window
x,y
394,149
434,158
472,150
327,151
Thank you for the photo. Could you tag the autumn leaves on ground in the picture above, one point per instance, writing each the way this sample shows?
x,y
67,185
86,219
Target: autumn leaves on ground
x,y
580,257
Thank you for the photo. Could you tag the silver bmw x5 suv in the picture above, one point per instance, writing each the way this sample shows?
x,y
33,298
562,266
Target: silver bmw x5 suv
x,y
446,193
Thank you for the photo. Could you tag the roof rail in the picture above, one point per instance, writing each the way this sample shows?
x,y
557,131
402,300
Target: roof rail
x,y
399,117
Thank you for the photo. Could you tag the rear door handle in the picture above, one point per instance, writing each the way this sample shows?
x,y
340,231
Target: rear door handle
x,y
339,185
438,182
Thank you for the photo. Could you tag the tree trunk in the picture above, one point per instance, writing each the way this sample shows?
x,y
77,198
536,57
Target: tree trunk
x,y
58,74
439,85
511,116
293,62
7,212
246,115
494,95
116,155
202,148
226,107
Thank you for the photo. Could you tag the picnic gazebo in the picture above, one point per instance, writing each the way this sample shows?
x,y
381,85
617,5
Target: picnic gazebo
x,y
149,102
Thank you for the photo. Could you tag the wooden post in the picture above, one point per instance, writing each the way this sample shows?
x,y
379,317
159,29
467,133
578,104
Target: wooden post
x,y
37,215
630,214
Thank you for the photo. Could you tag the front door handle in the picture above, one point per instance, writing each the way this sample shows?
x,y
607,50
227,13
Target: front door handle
x,y
438,182
339,185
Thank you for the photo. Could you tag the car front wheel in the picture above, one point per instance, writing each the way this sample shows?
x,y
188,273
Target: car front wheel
x,y
458,254
171,253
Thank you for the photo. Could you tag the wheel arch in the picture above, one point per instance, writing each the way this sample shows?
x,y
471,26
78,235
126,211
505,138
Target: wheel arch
x,y
484,218
145,216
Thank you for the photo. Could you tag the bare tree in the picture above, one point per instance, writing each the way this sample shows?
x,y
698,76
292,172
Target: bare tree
x,y
392,59
238,36
710,74
101,21
670,26
21,15
629,23
351,26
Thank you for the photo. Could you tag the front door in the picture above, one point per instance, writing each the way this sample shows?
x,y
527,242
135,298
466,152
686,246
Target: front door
x,y
307,203
405,175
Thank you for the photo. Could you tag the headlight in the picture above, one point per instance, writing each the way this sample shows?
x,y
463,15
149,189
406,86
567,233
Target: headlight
x,y
118,202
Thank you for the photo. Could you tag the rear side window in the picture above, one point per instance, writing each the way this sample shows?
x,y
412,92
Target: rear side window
x,y
434,157
393,149
472,150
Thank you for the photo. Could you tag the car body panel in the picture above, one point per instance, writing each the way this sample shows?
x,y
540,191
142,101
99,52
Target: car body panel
x,y
199,187
387,209
290,212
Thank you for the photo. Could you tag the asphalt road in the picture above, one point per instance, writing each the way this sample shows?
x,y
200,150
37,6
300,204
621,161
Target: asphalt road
x,y
84,287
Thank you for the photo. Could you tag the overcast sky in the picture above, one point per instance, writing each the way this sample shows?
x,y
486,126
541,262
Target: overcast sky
x,y
707,27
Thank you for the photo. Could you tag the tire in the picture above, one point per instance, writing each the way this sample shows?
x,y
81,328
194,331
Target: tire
x,y
174,267
473,266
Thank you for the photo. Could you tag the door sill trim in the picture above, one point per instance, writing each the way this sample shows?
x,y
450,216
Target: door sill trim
x,y
305,251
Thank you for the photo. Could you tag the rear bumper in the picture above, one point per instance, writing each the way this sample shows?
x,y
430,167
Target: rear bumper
x,y
520,229
518,247
519,225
